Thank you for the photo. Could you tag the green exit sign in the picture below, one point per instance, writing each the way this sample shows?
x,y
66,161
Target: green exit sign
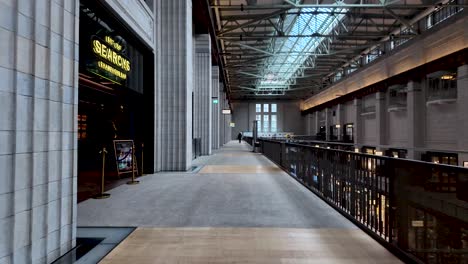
x,y
215,101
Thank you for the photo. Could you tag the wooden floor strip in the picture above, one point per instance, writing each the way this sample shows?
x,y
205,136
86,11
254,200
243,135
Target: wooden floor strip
x,y
248,245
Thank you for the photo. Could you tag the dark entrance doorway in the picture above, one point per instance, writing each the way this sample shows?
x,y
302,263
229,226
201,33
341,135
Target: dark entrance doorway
x,y
116,98
104,116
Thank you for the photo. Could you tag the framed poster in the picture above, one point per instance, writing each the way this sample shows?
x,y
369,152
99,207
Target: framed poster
x,y
125,156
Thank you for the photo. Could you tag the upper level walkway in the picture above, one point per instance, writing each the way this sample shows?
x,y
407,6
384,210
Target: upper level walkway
x,y
236,207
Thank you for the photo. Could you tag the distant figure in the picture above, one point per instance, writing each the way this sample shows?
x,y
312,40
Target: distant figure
x,y
239,137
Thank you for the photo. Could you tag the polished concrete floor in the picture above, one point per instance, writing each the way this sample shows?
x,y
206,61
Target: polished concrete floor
x,y
237,208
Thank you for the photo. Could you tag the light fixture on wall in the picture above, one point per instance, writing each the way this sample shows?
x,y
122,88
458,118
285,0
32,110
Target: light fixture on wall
x,y
447,77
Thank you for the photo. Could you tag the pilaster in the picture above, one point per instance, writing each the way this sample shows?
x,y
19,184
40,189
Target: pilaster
x,y
462,110
216,106
173,137
357,121
202,123
328,122
416,116
380,119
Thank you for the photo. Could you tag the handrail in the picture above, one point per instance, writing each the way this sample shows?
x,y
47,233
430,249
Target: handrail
x,y
382,195
379,157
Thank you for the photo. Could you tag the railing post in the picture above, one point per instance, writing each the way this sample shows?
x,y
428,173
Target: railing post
x,y
352,209
282,153
392,204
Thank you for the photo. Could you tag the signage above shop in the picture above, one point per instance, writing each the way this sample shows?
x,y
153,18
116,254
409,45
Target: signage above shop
x,y
111,63
417,223
110,54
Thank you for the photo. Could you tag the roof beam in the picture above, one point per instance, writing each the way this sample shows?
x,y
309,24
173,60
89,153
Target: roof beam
x,y
402,21
252,48
356,13
255,20
350,36
390,4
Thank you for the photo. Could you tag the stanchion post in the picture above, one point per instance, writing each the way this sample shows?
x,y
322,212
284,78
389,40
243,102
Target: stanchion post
x,y
142,159
132,182
103,195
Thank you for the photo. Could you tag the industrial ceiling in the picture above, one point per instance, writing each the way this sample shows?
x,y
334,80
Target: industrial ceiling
x,y
292,49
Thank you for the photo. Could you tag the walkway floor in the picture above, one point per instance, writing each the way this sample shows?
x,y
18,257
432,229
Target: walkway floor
x,y
238,207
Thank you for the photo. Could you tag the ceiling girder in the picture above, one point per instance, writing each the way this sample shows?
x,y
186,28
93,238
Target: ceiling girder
x,y
248,39
276,13
390,5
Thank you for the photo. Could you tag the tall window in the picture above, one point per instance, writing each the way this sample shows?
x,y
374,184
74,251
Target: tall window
x,y
266,114
266,123
259,123
258,108
273,126
273,108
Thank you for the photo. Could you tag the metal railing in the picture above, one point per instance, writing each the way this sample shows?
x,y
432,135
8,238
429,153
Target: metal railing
x,y
445,93
368,109
397,101
248,140
418,210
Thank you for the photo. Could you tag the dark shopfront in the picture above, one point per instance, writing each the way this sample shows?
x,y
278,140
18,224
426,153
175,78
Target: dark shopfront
x,y
116,98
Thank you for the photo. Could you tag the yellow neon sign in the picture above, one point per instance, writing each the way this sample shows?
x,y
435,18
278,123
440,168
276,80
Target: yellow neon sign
x,y
110,69
113,43
108,54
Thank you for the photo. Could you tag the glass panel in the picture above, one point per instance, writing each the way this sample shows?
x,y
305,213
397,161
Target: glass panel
x,y
265,108
273,108
266,124
259,123
274,128
292,52
453,161
258,108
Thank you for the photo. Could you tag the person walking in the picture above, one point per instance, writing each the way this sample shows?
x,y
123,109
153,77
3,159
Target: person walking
x,y
239,137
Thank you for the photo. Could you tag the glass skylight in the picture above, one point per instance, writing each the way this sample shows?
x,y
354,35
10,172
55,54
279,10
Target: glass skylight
x,y
291,53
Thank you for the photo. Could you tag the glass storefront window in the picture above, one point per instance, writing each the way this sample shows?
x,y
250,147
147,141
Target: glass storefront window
x,y
436,238
349,133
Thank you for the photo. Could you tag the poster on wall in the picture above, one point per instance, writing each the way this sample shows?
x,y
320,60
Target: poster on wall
x,y
124,157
